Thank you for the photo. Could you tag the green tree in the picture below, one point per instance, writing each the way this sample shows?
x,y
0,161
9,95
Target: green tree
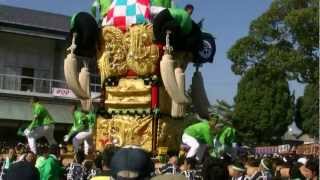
x,y
263,105
308,110
285,37
223,109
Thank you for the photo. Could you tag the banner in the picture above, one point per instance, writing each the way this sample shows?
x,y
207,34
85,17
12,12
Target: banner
x,y
62,92
67,93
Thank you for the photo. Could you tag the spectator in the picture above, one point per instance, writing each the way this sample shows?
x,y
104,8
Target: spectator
x,y
214,168
50,168
20,148
89,169
31,158
236,171
106,172
63,149
43,155
252,169
171,167
98,160
281,168
8,162
75,169
190,171
294,171
305,169
313,166
131,162
265,169
24,169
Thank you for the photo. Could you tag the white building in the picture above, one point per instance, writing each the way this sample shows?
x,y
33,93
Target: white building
x,y
32,51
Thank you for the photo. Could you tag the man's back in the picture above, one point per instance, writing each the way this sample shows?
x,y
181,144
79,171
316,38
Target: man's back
x,y
200,131
22,170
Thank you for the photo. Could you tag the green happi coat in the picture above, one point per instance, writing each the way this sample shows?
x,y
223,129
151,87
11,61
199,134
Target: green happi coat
x,y
182,17
91,117
102,5
50,168
41,116
223,141
201,132
80,122
161,3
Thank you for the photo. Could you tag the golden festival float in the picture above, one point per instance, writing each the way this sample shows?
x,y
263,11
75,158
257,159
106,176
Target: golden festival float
x,y
142,76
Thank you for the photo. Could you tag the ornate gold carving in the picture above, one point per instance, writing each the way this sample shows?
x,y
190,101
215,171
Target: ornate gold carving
x,y
142,55
124,130
112,61
133,50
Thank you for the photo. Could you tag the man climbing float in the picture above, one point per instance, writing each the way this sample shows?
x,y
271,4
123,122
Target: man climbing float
x,y
197,134
81,131
223,141
212,133
42,125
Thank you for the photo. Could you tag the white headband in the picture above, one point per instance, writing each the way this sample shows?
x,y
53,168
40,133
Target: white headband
x,y
237,168
264,165
303,160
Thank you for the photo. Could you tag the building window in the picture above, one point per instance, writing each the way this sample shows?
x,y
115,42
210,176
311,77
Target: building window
x,y
27,80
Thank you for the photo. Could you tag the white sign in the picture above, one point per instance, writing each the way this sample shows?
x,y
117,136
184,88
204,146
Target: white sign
x,y
62,92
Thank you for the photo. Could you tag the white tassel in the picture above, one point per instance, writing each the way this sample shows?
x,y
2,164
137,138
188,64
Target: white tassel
x,y
167,66
178,109
84,80
169,80
70,72
71,76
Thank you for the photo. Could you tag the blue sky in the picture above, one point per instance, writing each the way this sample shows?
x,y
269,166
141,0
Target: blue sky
x,y
227,20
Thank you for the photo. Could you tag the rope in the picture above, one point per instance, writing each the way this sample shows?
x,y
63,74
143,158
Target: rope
x,y
168,49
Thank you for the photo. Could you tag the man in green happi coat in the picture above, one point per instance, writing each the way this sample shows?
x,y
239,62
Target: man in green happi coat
x,y
199,134
214,133
102,6
50,167
81,130
224,140
42,125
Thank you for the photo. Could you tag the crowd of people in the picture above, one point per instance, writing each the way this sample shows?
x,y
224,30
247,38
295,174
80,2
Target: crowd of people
x,y
207,153
131,162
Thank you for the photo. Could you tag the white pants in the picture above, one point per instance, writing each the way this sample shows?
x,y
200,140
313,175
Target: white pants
x,y
83,136
192,143
42,131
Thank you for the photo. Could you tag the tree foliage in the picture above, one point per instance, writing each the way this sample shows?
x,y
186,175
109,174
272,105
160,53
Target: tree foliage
x,y
282,44
285,38
308,110
223,109
263,105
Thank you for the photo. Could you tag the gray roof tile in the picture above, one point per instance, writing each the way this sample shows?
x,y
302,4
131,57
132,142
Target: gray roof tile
x,y
34,18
